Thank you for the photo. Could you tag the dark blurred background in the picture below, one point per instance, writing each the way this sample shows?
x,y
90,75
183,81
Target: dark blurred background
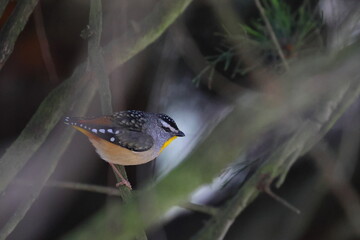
x,y
173,76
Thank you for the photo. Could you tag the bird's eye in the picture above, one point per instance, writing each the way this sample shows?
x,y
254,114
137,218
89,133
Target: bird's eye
x,y
166,129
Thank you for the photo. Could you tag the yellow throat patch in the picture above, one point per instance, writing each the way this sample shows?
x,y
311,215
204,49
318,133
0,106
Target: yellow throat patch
x,y
167,143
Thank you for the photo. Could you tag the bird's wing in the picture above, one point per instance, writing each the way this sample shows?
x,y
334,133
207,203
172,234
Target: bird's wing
x,y
126,136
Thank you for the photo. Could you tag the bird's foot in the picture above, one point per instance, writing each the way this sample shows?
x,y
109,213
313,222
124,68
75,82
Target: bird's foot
x,y
124,182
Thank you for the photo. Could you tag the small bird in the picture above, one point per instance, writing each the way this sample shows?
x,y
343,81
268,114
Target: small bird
x,y
128,137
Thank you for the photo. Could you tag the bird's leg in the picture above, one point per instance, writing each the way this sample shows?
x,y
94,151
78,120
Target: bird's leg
x,y
123,180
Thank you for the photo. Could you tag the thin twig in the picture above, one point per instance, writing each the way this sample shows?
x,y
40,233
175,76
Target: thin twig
x,y
77,186
114,192
265,186
281,200
13,27
44,45
85,187
272,34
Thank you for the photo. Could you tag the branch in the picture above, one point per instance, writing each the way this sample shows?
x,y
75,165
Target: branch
x,y
13,27
272,34
95,56
77,186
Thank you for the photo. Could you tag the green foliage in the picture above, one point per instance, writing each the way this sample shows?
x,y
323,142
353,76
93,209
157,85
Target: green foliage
x,y
294,30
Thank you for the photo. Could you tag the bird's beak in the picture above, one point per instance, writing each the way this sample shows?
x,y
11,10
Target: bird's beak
x,y
180,134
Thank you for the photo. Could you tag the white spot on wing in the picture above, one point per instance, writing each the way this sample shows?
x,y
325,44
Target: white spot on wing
x,y
110,130
94,130
102,130
112,139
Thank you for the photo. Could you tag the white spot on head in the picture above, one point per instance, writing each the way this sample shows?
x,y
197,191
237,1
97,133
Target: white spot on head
x,y
112,139
94,130
110,130
102,130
